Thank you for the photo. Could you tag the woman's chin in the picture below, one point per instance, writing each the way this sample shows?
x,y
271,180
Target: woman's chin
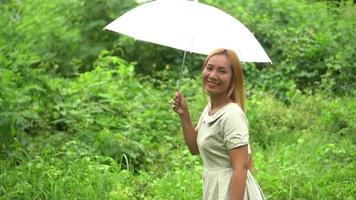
x,y
212,92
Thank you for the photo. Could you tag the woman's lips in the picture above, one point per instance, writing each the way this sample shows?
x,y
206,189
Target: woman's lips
x,y
211,83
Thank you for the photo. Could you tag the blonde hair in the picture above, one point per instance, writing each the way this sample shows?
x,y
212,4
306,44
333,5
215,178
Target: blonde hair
x,y
236,89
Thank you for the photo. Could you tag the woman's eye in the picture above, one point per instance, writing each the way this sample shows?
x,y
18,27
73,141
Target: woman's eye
x,y
209,68
222,71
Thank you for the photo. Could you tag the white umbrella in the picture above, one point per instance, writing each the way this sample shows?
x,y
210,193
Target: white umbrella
x,y
189,26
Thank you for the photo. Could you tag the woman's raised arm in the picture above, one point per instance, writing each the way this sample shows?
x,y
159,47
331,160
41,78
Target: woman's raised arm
x,y
180,106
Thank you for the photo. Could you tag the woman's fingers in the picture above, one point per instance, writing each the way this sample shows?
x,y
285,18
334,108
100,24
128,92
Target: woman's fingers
x,y
177,98
177,102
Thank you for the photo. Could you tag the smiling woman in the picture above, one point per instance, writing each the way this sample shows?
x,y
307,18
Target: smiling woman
x,y
221,136
217,75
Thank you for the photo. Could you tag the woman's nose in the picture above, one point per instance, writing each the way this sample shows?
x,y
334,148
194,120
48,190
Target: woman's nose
x,y
213,74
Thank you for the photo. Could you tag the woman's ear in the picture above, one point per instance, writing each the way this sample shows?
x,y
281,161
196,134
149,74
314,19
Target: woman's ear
x,y
231,91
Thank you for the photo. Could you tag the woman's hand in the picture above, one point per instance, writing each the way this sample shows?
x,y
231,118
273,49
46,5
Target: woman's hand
x,y
179,104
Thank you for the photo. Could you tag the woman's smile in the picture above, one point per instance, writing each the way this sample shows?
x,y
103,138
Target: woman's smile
x,y
212,83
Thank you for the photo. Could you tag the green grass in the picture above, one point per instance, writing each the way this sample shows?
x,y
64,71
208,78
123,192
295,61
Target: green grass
x,y
70,171
315,166
299,158
97,137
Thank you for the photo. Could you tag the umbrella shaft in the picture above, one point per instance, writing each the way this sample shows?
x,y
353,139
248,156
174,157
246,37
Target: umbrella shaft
x,y
181,70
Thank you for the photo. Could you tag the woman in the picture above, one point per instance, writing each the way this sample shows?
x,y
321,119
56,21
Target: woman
x,y
221,135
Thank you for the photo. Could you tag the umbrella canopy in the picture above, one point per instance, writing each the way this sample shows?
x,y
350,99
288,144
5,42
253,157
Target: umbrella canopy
x,y
189,26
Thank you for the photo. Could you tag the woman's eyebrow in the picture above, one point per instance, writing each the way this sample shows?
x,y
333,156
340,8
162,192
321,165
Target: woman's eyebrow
x,y
219,67
222,67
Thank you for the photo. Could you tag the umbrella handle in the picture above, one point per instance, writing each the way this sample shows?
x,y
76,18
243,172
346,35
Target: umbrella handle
x,y
181,70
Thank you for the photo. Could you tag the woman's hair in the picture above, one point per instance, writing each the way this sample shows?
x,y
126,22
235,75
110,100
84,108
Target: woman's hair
x,y
236,88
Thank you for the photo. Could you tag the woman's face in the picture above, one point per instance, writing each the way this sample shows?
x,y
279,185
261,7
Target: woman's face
x,y
217,75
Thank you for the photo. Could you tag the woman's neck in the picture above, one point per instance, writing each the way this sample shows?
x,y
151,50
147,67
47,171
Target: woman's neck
x,y
217,102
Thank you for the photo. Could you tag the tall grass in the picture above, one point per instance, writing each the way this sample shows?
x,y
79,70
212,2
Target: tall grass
x,y
304,150
68,171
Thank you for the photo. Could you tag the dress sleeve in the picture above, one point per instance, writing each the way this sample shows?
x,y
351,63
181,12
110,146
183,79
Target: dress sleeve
x,y
235,129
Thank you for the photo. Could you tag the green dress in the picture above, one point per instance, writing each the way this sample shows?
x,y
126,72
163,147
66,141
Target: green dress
x,y
224,130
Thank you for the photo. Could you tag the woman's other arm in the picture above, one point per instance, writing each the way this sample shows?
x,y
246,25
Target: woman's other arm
x,y
239,161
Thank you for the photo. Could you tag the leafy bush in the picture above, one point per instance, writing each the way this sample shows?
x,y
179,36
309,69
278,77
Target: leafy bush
x,y
106,103
61,37
270,119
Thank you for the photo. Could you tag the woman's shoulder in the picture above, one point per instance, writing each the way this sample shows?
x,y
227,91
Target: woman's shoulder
x,y
234,110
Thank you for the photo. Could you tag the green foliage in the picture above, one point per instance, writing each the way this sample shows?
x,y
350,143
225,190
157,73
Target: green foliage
x,y
311,44
107,131
23,106
48,171
157,61
319,113
61,37
114,138
301,149
307,168
96,107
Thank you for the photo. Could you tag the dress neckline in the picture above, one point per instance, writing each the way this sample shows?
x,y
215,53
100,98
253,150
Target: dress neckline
x,y
218,112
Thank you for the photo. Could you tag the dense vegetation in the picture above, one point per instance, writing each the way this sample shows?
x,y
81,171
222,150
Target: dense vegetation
x,y
85,113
